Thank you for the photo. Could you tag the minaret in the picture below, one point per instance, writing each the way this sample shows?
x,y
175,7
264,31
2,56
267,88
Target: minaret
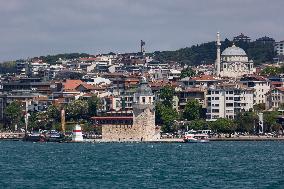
x,y
218,59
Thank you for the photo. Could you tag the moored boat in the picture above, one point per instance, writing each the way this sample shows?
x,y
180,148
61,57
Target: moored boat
x,y
35,137
54,136
195,137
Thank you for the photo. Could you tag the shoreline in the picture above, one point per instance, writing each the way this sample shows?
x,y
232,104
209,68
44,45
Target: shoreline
x,y
169,140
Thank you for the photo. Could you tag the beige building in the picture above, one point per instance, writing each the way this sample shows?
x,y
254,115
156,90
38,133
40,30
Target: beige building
x,y
226,100
140,127
274,98
260,85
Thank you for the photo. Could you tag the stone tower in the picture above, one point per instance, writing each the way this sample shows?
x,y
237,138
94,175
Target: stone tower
x,y
143,126
144,112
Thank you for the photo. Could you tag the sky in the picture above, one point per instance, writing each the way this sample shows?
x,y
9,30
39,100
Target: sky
x,y
31,28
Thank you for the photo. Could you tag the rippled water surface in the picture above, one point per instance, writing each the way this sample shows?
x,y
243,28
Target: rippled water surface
x,y
142,165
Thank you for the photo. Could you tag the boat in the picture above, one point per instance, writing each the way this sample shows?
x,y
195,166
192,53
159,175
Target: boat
x,y
35,137
51,136
54,136
195,137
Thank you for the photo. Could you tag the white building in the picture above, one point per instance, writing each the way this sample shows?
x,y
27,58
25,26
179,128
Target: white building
x,y
225,101
38,66
260,85
174,74
279,48
233,62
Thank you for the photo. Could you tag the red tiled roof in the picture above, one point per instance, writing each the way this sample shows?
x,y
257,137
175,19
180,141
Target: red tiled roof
x,y
194,90
280,89
88,59
203,77
72,84
277,83
87,86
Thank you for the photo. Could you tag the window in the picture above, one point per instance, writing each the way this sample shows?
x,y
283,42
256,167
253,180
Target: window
x,y
143,100
229,104
215,110
216,98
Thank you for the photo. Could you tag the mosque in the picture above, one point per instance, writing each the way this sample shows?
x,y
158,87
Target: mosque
x,y
233,62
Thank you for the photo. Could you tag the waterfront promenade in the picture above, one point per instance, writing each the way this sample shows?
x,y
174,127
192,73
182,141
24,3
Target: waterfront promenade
x,y
20,136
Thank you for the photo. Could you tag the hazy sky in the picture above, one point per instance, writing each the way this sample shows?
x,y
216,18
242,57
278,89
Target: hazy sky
x,y
39,27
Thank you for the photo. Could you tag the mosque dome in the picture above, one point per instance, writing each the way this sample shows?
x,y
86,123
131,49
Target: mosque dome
x,y
234,51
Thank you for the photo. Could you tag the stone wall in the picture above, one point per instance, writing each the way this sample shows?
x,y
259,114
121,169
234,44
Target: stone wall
x,y
143,128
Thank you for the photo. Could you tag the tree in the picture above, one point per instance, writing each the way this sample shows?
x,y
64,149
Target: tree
x,y
192,110
198,124
165,116
270,120
8,67
246,121
77,109
13,113
167,95
69,75
188,72
271,71
53,113
93,104
223,125
259,107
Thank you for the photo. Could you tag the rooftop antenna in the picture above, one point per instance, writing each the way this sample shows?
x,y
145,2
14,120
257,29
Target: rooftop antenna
x,y
142,45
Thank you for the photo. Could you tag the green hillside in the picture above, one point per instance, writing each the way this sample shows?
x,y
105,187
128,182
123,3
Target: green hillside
x,y
206,53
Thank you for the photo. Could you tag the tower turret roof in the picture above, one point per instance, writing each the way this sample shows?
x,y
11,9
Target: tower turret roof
x,y
144,88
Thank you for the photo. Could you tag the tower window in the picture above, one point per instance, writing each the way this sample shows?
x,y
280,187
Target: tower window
x,y
143,100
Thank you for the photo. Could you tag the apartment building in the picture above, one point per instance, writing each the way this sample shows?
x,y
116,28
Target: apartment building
x,y
279,48
261,86
274,98
226,100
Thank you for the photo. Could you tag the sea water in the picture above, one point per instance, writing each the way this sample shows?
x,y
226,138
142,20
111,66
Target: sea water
x,y
142,165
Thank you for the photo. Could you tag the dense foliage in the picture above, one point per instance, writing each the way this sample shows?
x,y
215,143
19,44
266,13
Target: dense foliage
x,y
272,71
206,53
53,58
188,72
192,110
13,114
165,114
8,67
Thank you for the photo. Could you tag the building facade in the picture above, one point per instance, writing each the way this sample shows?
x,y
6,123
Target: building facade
x,y
225,101
274,98
279,48
260,85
